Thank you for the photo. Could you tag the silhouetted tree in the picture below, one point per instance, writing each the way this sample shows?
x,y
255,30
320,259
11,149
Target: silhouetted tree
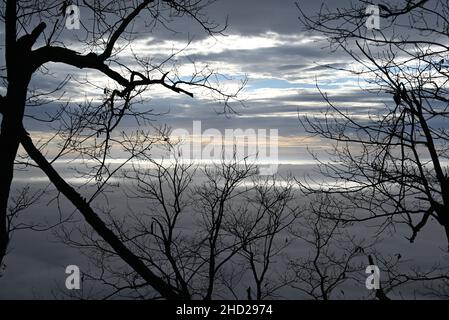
x,y
208,231
33,40
390,165
331,258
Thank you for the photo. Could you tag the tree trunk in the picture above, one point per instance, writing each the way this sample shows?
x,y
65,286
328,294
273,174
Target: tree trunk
x,y
11,127
9,144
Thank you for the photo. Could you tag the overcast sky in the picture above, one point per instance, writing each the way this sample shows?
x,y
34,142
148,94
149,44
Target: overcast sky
x,y
264,43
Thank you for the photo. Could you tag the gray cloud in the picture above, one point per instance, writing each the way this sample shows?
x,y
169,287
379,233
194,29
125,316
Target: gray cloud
x,y
296,65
